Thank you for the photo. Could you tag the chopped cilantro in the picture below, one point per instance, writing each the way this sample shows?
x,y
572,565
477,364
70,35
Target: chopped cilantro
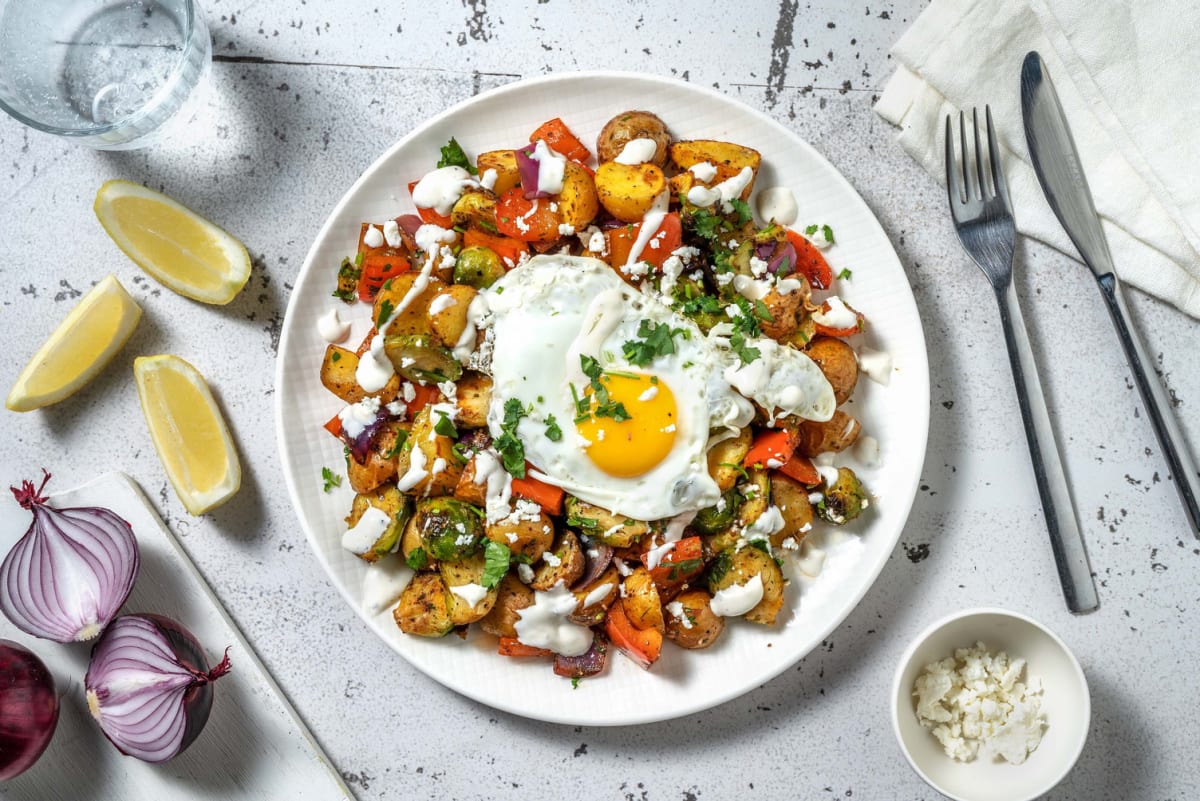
x,y
335,356
488,226
459,454
810,230
453,156
496,558
445,426
706,225
385,313
585,523
737,468
762,312
844,274
575,682
330,478
656,341
684,568
512,452
553,432
401,439
827,232
417,558
743,211
746,322
744,352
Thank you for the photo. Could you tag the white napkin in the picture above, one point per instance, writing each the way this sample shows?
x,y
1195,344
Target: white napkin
x,y
1128,81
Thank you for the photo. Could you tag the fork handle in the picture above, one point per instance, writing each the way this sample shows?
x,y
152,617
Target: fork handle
x,y
1066,539
1158,407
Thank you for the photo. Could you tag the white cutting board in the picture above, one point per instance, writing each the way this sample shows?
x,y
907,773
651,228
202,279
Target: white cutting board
x,y
254,746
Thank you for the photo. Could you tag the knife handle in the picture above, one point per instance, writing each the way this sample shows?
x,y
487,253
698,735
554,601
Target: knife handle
x,y
1066,539
1158,406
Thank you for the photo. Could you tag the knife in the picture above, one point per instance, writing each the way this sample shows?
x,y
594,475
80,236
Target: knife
x,y
1059,171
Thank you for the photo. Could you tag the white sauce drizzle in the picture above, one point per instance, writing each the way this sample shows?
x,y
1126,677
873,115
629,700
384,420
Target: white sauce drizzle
x,y
738,599
331,327
777,203
471,593
366,531
651,220
440,189
704,171
391,233
544,625
441,303
637,151
877,365
356,417
373,237
551,168
416,472
838,316
598,594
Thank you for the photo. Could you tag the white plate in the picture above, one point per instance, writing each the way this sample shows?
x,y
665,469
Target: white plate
x,y
897,415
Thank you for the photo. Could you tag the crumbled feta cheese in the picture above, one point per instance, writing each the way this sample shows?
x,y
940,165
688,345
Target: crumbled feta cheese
x,y
373,238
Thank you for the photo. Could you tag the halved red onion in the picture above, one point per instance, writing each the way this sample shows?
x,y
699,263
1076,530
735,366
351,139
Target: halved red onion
x,y
67,577
149,686
589,663
28,709
598,557
529,170
784,262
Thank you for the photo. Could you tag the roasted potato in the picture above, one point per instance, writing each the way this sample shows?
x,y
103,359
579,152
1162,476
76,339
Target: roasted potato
x,y
467,490
424,607
475,209
740,566
791,498
756,494
390,501
627,126
838,362
643,607
845,500
696,625
473,399
525,537
725,459
785,313
504,162
338,370
628,191
587,613
511,597
381,464
460,573
600,524
437,451
414,319
450,319
831,436
728,158
566,563
578,203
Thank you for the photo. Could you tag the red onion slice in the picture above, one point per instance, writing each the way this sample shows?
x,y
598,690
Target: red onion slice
x,y
529,170
589,663
360,446
71,572
764,250
784,262
149,686
598,557
409,223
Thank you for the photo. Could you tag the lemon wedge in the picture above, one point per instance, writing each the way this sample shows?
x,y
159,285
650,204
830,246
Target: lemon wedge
x,y
189,432
83,343
181,249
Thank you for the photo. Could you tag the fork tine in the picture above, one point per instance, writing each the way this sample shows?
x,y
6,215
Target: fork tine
x,y
982,185
952,185
998,181
966,155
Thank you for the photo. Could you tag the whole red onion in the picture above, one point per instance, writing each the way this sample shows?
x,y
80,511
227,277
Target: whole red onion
x,y
28,709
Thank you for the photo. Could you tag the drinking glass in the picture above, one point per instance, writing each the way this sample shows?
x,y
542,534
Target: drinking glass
x,y
109,74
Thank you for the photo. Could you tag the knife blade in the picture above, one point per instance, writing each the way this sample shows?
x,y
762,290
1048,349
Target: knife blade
x,y
1060,172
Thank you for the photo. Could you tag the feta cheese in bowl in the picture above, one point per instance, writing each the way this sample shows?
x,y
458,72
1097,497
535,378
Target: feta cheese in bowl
x,y
978,701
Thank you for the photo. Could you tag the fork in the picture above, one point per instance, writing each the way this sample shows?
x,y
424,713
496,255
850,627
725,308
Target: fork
x,y
984,222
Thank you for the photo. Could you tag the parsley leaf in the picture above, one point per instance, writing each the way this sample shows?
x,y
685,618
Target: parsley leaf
x,y
706,225
810,230
385,313
762,312
417,558
445,426
744,352
747,321
496,558
330,478
827,232
553,432
512,452
401,439
656,341
575,682
743,211
844,274
453,156
335,357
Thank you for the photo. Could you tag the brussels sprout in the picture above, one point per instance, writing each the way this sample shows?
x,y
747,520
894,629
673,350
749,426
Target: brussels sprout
x,y
479,267
449,529
617,531
716,519
389,500
418,358
844,500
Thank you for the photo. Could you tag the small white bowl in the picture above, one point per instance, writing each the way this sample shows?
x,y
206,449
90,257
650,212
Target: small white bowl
x,y
1065,702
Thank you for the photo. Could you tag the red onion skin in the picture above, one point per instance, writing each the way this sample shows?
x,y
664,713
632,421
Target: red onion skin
x,y
66,602
589,663
529,169
594,566
197,699
788,254
28,709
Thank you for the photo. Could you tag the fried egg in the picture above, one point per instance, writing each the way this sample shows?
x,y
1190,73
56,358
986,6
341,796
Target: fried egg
x,y
631,438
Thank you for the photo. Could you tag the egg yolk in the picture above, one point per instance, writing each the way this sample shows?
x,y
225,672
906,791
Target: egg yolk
x,y
635,446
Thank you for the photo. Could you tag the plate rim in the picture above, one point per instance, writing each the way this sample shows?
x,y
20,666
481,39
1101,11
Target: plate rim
x,y
525,84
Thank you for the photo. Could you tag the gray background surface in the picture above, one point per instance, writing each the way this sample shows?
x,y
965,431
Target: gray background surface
x,y
305,95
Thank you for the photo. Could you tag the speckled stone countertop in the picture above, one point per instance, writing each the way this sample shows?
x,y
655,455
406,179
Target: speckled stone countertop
x,y
305,95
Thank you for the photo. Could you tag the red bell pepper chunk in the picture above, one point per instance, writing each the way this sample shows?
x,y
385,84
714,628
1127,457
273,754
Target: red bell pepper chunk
x,y
682,562
508,249
511,646
777,445
665,241
548,496
334,426
528,220
558,137
801,469
809,261
424,396
429,216
643,646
